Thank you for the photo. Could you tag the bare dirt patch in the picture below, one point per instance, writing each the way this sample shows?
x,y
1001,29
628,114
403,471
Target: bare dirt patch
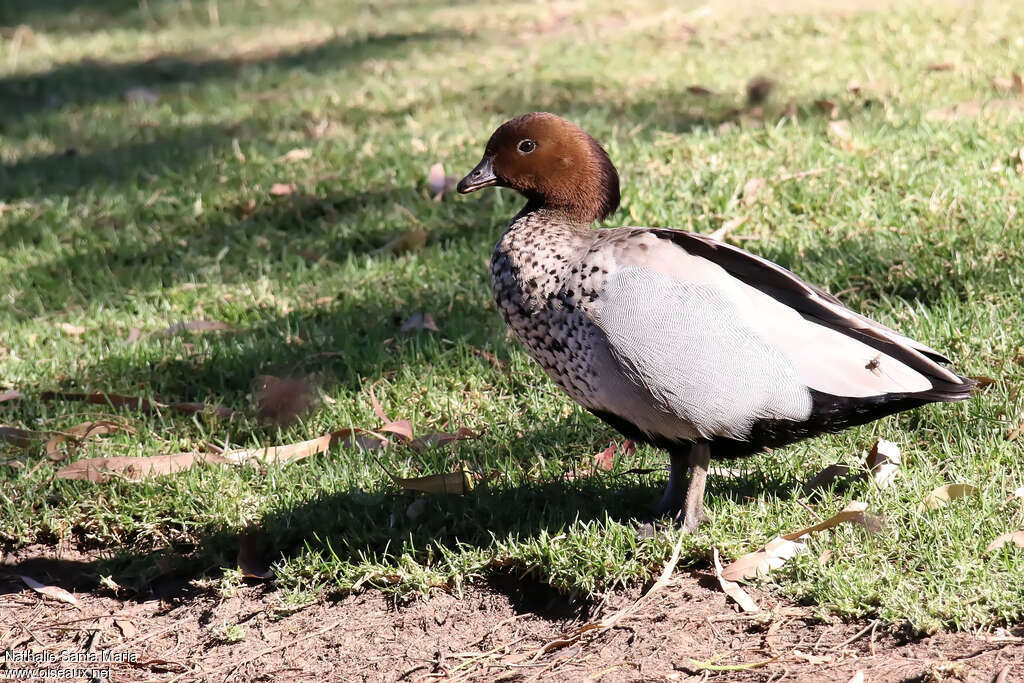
x,y
506,629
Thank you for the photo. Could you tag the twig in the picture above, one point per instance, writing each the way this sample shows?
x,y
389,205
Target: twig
x,y
856,635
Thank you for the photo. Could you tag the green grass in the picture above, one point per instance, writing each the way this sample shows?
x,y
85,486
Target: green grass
x,y
120,214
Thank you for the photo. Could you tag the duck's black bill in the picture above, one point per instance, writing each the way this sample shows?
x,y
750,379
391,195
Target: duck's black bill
x,y
480,177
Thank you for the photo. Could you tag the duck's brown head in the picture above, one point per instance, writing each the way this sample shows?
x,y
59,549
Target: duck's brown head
x,y
553,163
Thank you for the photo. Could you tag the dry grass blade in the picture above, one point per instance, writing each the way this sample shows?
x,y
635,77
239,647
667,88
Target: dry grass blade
x,y
728,227
52,592
140,403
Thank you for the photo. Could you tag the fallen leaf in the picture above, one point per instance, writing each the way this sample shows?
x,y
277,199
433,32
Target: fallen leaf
x,y
1003,84
52,592
137,403
827,107
1013,434
304,449
282,399
134,334
79,433
420,321
728,227
68,328
773,555
99,470
699,90
491,358
126,627
780,549
983,381
839,134
751,189
733,589
194,326
293,155
457,483
282,189
605,460
435,439
941,496
1015,537
10,395
940,66
411,240
826,477
252,555
884,463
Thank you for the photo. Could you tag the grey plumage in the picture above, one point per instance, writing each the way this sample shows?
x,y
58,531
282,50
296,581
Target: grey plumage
x,y
677,339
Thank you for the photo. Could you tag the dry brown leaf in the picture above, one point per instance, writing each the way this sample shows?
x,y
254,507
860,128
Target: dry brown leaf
x,y
435,439
126,627
10,395
282,399
294,155
195,326
751,189
99,470
134,334
1015,537
940,66
420,321
304,449
728,227
827,107
457,483
605,460
826,477
79,433
884,463
780,549
699,90
411,240
773,555
1015,433
941,496
145,405
282,189
840,136
252,556
68,328
983,381
52,592
733,589
491,358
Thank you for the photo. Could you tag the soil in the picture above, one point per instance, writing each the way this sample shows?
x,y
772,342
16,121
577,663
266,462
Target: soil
x,y
502,630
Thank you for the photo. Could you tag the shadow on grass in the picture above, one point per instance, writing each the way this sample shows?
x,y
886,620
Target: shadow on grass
x,y
90,81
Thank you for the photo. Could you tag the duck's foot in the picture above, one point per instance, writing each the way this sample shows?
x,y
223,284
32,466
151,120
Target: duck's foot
x,y
676,511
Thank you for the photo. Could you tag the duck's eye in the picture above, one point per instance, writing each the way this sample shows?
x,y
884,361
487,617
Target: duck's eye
x,y
526,146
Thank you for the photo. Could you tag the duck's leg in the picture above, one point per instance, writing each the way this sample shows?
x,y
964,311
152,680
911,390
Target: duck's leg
x,y
700,459
672,499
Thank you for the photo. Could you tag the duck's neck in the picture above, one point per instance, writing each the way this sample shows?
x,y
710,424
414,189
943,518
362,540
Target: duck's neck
x,y
536,215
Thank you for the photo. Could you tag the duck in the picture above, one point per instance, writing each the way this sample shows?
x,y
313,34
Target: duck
x,y
675,339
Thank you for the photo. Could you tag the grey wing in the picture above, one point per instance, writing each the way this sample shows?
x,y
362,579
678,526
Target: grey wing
x,y
811,301
686,345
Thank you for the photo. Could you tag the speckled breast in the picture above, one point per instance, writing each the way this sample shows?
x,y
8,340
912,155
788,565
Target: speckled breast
x,y
535,272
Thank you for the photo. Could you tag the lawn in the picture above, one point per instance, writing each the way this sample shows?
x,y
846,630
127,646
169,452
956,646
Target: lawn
x,y
149,177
